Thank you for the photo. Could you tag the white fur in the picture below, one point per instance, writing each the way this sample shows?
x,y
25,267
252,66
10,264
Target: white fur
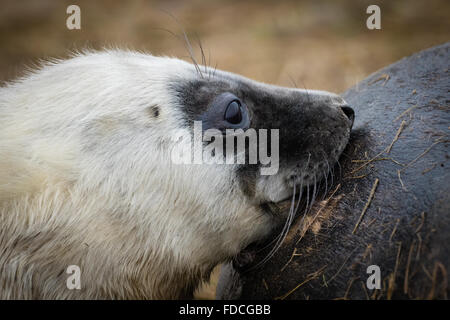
x,y
86,179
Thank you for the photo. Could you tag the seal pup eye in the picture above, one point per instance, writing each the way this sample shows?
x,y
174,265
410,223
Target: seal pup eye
x,y
226,111
233,114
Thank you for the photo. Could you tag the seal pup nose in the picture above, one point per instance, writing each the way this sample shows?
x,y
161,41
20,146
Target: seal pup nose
x,y
349,112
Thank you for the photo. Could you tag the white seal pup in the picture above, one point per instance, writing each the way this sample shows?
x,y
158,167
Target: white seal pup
x,y
87,180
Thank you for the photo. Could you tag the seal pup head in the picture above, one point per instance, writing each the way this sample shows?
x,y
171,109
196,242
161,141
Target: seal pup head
x,y
314,127
95,135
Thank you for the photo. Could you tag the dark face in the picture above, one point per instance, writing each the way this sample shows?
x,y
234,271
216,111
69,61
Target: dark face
x,y
314,127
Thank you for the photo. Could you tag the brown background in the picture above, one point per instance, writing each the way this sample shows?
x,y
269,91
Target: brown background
x,y
314,44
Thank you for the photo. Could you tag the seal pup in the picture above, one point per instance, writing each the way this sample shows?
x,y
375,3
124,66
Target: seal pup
x,y
86,177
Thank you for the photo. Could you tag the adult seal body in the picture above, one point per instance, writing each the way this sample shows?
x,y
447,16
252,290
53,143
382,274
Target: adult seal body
x,y
383,231
88,182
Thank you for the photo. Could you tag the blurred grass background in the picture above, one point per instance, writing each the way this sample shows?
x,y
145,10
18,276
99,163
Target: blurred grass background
x,y
316,44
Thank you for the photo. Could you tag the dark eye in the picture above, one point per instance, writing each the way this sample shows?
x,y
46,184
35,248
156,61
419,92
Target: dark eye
x,y
233,113
226,111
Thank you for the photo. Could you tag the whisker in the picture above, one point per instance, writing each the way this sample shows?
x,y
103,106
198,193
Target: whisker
x,y
191,53
307,93
215,69
307,199
203,54
209,64
300,196
325,174
295,204
340,169
332,176
187,43
284,232
314,194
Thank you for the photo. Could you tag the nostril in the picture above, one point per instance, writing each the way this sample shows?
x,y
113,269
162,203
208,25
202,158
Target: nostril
x,y
349,112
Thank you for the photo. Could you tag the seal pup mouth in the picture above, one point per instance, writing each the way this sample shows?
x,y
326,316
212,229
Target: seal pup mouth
x,y
244,260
